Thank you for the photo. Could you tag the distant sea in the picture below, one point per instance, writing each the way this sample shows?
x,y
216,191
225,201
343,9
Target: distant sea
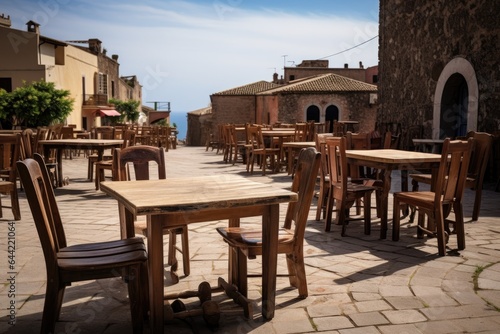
x,y
179,118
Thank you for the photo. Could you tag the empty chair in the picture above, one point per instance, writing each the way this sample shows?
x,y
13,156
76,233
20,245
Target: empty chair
x,y
324,177
247,242
343,192
477,167
447,192
139,157
101,132
66,264
10,146
257,148
103,165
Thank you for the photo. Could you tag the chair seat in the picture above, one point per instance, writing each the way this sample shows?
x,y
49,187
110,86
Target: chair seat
x,y
100,252
240,237
102,245
126,256
427,179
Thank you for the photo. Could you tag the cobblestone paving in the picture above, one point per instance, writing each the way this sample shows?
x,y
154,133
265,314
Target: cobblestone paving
x,y
357,283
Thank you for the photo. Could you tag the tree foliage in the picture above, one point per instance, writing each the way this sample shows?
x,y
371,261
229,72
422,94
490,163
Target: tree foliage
x,y
35,104
128,109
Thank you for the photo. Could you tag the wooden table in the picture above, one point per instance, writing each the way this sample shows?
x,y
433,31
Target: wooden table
x,y
200,199
292,147
389,160
77,144
349,125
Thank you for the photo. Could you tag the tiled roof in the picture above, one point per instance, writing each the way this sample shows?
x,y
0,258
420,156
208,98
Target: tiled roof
x,y
250,89
324,83
202,111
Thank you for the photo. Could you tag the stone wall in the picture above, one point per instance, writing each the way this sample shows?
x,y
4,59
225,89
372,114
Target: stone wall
x,y
233,109
418,39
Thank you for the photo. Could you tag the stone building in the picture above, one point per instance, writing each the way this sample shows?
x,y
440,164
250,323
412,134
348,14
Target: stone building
x,y
439,65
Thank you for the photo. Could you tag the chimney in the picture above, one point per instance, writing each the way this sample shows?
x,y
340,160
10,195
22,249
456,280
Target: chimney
x,y
114,57
361,64
346,65
5,21
275,77
95,45
33,27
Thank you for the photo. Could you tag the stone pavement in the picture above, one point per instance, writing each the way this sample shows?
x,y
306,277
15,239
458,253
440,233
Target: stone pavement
x,y
357,283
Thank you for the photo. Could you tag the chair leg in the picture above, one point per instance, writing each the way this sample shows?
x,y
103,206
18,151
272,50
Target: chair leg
x,y
134,292
242,273
459,225
52,306
185,251
319,207
477,202
341,215
15,204
329,211
297,272
172,241
395,219
367,213
439,222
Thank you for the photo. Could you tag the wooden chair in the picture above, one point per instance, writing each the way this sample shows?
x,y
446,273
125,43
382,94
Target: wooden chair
x,y
140,157
447,192
101,132
339,129
301,132
247,242
10,147
324,177
103,165
66,264
257,148
477,168
343,192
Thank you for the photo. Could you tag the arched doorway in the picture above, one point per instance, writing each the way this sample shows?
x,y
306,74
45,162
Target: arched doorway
x,y
455,100
454,103
312,114
331,114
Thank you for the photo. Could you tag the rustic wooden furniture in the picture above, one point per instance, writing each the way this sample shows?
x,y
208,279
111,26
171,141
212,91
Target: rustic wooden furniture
x,y
10,145
276,138
324,177
180,201
477,168
389,160
247,242
257,149
292,148
137,159
67,264
447,192
101,132
128,137
343,192
98,145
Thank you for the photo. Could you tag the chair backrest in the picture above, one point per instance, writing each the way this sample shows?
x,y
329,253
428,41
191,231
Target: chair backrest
x,y
358,141
27,142
321,148
339,129
480,154
452,173
301,131
128,136
304,182
40,195
103,132
10,148
139,157
337,163
254,136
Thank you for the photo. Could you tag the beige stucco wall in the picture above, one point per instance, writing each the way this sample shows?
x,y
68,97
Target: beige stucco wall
x,y
78,64
18,57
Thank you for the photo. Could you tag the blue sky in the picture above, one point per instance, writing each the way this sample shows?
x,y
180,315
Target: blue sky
x,y
183,51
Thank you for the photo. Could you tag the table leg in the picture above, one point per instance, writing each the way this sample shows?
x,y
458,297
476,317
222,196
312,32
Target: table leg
x,y
270,226
384,202
155,268
232,262
59,153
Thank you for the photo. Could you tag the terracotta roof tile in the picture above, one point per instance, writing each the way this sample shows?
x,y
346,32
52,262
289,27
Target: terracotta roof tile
x,y
324,83
250,89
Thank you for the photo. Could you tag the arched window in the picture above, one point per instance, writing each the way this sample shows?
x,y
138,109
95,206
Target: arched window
x,y
312,114
331,114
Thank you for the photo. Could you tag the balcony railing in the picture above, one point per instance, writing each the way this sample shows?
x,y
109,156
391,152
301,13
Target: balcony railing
x,y
95,99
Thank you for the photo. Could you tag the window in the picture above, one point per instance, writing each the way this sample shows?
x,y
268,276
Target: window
x,y
292,77
112,88
102,84
6,83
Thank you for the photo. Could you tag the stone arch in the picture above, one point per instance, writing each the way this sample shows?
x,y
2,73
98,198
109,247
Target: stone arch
x,y
332,113
313,113
456,81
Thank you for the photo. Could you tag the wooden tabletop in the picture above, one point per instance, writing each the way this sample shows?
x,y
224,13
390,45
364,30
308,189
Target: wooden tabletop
x,y
299,144
390,156
81,142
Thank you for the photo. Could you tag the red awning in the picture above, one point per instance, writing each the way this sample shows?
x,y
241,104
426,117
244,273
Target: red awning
x,y
108,112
